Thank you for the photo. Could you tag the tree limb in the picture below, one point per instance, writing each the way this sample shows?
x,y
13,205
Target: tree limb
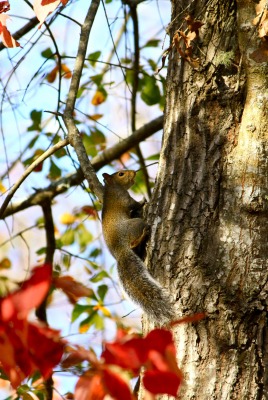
x,y
62,185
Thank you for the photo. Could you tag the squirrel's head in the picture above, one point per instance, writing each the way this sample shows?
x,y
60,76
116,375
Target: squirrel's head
x,y
123,178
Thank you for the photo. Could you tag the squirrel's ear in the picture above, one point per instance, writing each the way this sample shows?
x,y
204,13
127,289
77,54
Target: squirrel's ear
x,y
106,177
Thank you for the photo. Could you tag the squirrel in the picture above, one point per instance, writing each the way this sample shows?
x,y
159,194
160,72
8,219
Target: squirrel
x,y
123,233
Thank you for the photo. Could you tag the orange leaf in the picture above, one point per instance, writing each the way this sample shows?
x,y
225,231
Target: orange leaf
x,y
95,117
73,289
52,74
98,98
67,72
5,35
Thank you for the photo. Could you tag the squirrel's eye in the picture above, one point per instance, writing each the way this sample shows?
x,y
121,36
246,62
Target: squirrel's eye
x,y
121,174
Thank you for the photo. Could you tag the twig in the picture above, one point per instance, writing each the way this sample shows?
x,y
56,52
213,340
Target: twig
x,y
27,172
73,133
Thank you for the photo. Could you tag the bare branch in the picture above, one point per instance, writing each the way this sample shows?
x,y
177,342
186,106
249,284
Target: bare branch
x,y
62,185
30,169
73,133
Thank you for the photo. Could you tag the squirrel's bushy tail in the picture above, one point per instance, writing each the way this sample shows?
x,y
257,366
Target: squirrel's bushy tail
x,y
143,289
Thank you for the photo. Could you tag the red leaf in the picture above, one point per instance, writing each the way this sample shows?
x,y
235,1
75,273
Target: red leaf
x,y
26,348
162,382
46,2
4,6
159,339
74,356
73,289
90,387
29,296
116,386
130,355
46,348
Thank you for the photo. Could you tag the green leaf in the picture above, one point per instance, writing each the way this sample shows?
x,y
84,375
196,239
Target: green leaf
x,y
150,93
60,153
152,43
97,79
22,389
41,251
79,309
32,142
99,277
153,157
102,290
89,145
152,64
67,238
98,137
93,57
95,252
47,53
93,319
84,237
54,171
94,265
129,77
36,117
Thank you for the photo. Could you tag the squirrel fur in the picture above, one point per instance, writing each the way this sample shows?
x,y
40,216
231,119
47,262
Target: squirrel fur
x,y
122,234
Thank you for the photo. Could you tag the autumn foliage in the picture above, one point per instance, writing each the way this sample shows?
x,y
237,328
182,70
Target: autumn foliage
x,y
27,347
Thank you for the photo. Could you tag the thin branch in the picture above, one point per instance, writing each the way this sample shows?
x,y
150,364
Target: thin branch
x,y
73,133
116,43
62,185
30,169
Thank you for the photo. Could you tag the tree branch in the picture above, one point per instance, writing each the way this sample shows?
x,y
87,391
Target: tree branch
x,y
62,185
30,169
73,133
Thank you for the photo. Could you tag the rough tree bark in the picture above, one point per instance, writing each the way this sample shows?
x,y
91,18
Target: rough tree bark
x,y
209,207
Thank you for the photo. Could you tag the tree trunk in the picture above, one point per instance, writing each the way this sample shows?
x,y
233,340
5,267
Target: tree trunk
x,y
209,208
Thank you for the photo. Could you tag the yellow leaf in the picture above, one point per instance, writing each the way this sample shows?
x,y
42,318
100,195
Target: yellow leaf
x,y
67,219
2,188
103,309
